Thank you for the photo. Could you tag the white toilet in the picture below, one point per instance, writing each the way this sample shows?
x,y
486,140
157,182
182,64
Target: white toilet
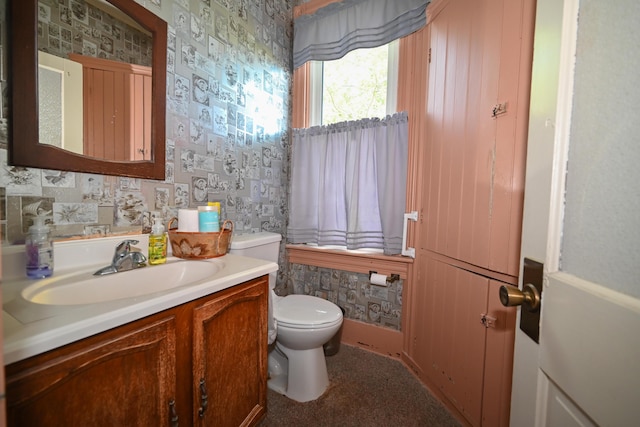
x,y
297,367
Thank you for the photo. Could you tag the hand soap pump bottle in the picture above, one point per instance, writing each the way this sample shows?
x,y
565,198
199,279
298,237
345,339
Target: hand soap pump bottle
x,y
157,243
39,250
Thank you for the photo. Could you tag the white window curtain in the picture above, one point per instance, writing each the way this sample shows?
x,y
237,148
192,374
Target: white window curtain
x,y
335,30
348,184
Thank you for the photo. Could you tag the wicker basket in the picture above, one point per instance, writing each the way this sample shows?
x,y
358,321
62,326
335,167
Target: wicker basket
x,y
195,245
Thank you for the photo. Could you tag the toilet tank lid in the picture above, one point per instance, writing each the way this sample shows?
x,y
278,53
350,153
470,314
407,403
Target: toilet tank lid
x,y
254,239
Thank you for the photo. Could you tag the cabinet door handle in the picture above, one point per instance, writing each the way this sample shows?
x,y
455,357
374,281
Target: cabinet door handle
x,y
204,399
173,414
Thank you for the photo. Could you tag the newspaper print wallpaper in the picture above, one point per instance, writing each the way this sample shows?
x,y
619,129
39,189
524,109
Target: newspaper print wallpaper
x,y
353,292
89,29
228,80
228,109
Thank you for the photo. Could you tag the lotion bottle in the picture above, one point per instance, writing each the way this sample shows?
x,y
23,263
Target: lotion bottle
x,y
208,219
39,250
157,243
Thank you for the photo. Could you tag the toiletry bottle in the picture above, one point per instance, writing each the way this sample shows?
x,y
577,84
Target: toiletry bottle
x,y
208,220
216,215
157,243
39,250
216,219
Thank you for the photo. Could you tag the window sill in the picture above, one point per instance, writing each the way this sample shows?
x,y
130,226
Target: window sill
x,y
356,262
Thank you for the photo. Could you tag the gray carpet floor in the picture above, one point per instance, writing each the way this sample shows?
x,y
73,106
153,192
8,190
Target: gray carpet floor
x,y
366,389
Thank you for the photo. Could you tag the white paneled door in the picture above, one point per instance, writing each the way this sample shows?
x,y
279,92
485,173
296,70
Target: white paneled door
x,y
585,370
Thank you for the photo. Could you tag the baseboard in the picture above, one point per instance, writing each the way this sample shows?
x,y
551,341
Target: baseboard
x,y
377,339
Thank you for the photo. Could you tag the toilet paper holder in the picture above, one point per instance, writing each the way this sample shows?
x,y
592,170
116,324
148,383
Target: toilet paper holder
x,y
390,278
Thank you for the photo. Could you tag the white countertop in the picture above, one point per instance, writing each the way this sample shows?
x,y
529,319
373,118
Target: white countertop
x,y
31,328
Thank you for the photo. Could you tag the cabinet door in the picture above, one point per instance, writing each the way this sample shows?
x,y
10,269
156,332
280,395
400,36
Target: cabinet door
x,y
125,376
474,159
501,334
116,109
230,356
106,110
464,342
453,337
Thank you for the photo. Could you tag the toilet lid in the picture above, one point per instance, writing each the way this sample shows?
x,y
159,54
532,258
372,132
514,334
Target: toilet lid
x,y
306,310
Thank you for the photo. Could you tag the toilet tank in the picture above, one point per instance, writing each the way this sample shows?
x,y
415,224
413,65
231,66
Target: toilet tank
x,y
263,245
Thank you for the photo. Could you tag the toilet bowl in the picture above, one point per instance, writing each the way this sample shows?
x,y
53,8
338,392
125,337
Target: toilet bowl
x,y
297,364
303,324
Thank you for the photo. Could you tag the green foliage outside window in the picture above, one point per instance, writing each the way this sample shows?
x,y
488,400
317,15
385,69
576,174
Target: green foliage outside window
x,y
355,86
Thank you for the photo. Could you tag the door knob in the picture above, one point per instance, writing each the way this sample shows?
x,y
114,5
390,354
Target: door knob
x,y
528,296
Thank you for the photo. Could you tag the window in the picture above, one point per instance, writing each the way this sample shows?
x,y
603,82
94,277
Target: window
x,y
405,64
361,84
323,207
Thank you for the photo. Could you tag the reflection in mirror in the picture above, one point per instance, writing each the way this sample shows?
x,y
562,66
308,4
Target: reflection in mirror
x,y
94,63
60,95
91,74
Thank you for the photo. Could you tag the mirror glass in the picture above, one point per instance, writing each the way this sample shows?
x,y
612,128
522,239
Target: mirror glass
x,y
94,80
92,75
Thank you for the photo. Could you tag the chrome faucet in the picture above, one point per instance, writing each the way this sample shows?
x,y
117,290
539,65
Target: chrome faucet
x,y
124,259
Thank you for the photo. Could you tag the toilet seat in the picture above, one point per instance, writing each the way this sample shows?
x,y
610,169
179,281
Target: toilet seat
x,y
282,324
306,312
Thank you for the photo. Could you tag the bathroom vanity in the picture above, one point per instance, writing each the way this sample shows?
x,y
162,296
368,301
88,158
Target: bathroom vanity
x,y
201,362
192,355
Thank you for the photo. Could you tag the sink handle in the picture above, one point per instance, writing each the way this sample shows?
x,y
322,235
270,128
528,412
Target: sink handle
x,y
123,248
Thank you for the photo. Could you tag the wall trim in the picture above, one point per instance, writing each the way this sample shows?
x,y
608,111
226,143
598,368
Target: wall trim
x,y
384,341
311,7
349,261
562,136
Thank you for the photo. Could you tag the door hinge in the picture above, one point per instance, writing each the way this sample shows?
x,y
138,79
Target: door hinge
x,y
429,55
487,321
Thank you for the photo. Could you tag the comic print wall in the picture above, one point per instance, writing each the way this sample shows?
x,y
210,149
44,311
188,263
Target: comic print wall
x,y
228,79
362,301
228,101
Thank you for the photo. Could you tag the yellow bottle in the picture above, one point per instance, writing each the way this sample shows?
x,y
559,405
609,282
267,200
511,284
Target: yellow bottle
x,y
157,243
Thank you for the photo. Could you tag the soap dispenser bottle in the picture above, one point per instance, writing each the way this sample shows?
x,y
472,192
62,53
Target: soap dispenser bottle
x,y
39,250
157,243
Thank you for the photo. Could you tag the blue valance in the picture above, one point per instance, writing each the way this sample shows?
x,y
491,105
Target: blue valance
x,y
336,29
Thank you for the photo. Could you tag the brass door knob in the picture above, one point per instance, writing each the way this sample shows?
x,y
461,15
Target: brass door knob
x,y
529,296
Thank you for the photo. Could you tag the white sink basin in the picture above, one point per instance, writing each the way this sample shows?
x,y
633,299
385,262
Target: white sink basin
x,y
85,288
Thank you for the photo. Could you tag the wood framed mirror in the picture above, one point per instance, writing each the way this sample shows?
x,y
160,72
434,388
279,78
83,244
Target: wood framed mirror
x,y
25,145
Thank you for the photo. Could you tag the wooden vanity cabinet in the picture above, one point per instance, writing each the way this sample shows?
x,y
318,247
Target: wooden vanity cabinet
x,y
148,372
124,374
230,357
